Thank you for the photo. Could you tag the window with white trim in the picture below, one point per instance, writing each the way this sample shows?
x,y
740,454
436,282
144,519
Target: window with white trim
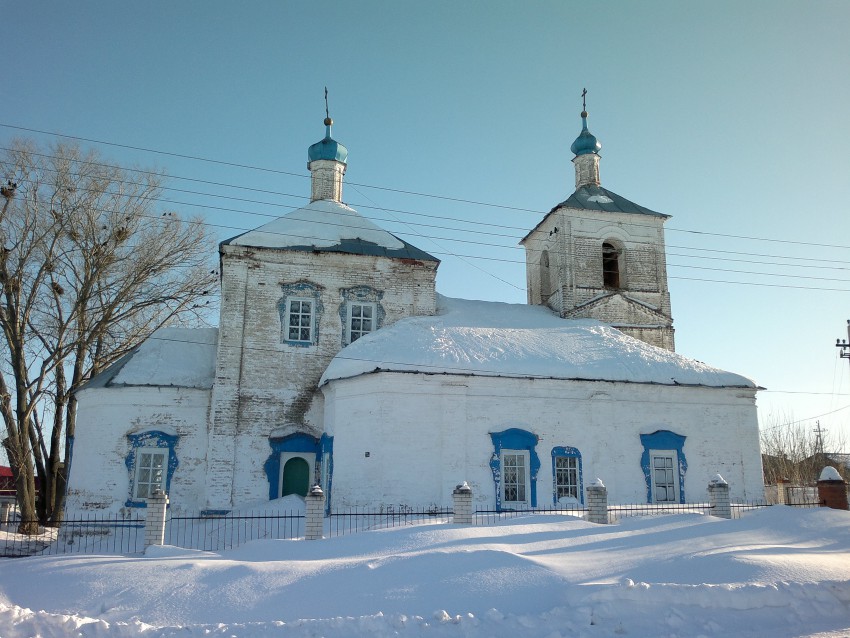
x,y
515,477
566,477
665,476
361,319
299,319
151,471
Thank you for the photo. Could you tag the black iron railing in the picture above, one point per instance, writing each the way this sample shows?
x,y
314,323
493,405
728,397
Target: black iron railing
x,y
352,520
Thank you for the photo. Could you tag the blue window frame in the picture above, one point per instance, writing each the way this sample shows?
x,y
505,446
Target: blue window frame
x,y
515,466
361,312
567,481
151,462
300,311
664,466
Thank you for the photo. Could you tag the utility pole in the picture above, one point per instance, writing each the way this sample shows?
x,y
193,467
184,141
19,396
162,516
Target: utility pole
x,y
819,432
843,344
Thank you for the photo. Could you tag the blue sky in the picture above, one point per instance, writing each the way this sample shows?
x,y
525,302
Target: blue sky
x,y
729,116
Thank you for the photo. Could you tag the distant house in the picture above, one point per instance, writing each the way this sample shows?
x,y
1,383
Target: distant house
x,y
337,363
804,471
7,482
814,464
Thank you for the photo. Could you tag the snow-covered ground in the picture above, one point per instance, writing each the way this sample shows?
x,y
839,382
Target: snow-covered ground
x,y
776,572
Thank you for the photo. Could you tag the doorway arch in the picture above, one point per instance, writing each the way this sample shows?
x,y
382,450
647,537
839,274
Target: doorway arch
x,y
296,477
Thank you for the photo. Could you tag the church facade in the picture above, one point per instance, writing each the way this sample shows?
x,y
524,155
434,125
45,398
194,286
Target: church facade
x,y
337,363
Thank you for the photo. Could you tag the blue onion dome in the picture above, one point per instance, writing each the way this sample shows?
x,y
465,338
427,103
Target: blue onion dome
x,y
586,141
328,148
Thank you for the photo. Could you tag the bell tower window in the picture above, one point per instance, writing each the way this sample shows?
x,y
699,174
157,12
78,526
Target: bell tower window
x,y
610,266
545,277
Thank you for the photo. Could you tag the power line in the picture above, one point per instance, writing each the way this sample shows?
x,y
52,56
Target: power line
x,y
513,247
492,245
415,193
501,246
514,374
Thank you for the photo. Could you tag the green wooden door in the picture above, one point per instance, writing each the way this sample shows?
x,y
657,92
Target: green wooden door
x,y
296,477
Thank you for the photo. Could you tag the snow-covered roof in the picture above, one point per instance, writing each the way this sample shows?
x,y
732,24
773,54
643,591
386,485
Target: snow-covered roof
x,y
591,197
180,357
329,226
482,338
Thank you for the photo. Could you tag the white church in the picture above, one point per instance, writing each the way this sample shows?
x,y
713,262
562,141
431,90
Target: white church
x,y
337,363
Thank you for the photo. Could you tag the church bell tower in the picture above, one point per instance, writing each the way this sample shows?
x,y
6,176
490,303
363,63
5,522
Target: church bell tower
x,y
597,255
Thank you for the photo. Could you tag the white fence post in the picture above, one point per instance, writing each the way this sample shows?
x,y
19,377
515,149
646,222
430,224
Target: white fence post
x,y
155,518
5,512
314,522
718,497
782,491
597,502
462,504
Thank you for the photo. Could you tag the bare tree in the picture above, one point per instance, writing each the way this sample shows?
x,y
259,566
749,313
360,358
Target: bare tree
x,y
88,270
792,450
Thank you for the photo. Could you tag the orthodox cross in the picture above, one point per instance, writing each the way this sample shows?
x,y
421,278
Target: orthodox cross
x,y
327,114
583,102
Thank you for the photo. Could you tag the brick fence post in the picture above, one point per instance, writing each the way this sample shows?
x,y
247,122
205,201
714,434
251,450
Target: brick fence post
x,y
597,502
462,504
314,521
718,497
832,490
782,491
5,512
155,518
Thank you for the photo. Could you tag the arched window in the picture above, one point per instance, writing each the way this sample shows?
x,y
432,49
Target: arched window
x,y
610,266
545,276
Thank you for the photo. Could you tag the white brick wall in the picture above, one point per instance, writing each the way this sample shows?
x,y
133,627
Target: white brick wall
x,y
425,433
575,267
267,388
100,480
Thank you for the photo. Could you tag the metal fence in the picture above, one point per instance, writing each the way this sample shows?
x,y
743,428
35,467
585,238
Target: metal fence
x,y
114,534
619,512
493,517
217,533
352,520
89,534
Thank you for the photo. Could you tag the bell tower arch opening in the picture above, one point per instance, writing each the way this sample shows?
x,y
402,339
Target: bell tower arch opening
x,y
612,264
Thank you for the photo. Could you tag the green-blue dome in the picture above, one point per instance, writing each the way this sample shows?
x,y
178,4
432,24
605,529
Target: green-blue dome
x,y
328,148
586,141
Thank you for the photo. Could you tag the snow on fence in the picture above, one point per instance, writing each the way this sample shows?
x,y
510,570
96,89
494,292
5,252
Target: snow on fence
x,y
354,519
494,517
89,534
226,531
116,534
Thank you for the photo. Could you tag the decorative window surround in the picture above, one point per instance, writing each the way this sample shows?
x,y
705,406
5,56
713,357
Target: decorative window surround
x,y
568,477
512,441
663,443
142,446
357,303
300,313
